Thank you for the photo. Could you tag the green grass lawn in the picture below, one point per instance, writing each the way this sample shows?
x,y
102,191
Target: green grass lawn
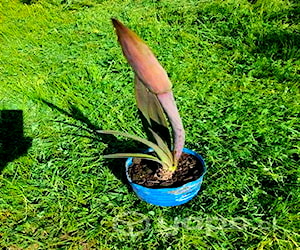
x,y
235,68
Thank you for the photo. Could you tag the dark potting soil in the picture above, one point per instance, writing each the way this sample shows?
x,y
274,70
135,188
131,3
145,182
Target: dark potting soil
x,y
145,172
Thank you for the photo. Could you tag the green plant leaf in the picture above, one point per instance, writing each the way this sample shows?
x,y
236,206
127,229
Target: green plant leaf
x,y
137,155
162,144
164,158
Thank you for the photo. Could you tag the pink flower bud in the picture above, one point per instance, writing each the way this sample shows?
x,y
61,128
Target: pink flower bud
x,y
142,60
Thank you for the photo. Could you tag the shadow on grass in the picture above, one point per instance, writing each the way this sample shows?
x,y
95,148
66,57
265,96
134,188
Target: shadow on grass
x,y
13,144
279,44
116,166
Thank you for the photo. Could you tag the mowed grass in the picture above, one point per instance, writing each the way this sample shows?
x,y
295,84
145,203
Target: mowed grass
x,y
235,68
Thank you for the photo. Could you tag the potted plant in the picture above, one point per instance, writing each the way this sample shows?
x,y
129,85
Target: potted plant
x,y
167,174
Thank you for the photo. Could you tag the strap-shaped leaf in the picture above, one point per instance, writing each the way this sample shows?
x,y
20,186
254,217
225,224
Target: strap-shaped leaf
x,y
163,157
163,145
137,155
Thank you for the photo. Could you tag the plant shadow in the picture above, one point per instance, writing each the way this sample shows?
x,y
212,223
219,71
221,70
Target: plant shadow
x,y
13,144
115,145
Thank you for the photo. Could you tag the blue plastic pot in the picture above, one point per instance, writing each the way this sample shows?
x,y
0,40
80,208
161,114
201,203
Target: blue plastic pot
x,y
168,197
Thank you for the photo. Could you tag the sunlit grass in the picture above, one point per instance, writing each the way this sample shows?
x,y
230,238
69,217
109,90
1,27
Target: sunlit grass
x,y
235,69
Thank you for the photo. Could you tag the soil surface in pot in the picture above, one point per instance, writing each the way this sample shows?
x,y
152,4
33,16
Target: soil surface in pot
x,y
146,173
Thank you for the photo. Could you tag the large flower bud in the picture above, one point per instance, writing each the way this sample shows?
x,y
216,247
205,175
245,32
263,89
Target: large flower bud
x,y
142,60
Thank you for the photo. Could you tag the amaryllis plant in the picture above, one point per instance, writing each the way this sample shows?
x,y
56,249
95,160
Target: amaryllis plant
x,y
155,100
